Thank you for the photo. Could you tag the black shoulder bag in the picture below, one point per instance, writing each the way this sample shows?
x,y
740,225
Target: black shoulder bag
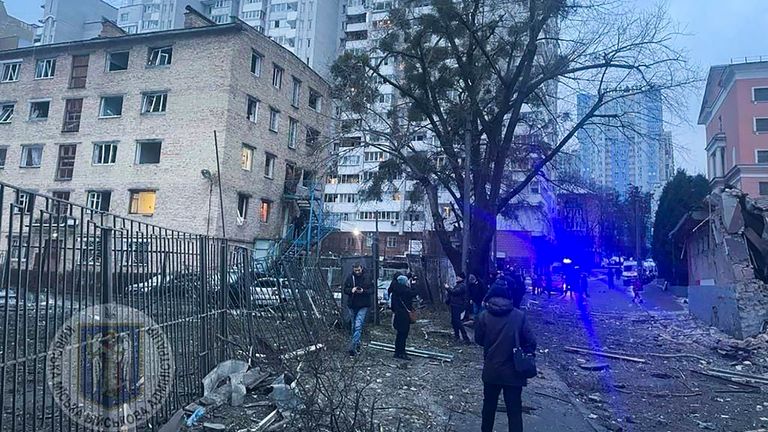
x,y
525,363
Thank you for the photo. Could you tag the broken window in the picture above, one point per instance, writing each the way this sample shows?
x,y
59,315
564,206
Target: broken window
x,y
31,156
59,207
79,71
246,161
111,106
104,153
252,109
117,61
277,76
274,119
19,248
313,136
45,68
296,96
66,165
143,202
24,202
160,56
264,210
269,166
148,152
72,111
315,100
256,63
6,112
39,110
293,128
3,155
242,207
11,72
98,200
154,102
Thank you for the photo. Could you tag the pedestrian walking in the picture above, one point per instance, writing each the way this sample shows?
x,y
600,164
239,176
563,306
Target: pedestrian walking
x,y
402,294
477,291
457,300
359,288
637,289
500,330
584,285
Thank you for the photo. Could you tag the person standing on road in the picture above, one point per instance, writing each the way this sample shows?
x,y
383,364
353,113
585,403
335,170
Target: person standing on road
x,y
637,289
477,293
402,304
457,301
584,285
358,287
499,330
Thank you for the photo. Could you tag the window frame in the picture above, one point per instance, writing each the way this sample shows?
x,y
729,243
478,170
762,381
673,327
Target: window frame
x,y
101,106
319,99
270,161
3,156
277,76
25,148
293,132
256,71
101,195
51,70
8,65
12,112
112,152
311,133
108,66
265,216
754,99
274,119
754,125
257,102
242,212
73,78
759,188
72,124
250,151
296,93
134,196
156,63
39,119
162,94
65,162
140,144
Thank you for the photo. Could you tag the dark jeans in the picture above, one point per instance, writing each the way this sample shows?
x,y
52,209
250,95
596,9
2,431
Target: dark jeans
x,y
512,399
458,326
400,337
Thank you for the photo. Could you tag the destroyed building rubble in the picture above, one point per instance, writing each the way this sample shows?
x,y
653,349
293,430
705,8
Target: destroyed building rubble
x,y
725,245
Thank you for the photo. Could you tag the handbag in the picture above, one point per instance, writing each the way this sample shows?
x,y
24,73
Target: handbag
x,y
525,363
411,313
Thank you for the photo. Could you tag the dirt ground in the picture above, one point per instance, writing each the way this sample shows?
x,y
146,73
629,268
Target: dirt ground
x,y
664,392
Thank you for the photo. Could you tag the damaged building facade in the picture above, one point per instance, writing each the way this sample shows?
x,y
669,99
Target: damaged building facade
x,y
125,124
725,245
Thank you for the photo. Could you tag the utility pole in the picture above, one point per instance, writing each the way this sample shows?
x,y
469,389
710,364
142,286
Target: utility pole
x,y
467,191
375,253
636,193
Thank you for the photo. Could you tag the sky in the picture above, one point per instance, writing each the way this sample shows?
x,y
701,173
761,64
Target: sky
x,y
716,32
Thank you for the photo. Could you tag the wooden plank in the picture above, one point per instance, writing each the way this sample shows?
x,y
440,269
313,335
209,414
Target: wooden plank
x,y
605,354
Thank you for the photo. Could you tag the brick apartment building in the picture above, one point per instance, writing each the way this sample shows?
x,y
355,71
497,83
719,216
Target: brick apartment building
x,y
125,124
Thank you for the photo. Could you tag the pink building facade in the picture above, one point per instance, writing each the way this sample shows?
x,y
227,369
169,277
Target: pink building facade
x,y
735,113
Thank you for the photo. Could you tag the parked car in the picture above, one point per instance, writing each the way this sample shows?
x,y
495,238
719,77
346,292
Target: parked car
x,y
629,272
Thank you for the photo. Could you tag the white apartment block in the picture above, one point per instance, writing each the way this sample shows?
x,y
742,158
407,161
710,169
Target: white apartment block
x,y
73,20
307,28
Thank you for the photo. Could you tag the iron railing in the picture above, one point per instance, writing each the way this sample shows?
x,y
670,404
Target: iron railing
x,y
209,296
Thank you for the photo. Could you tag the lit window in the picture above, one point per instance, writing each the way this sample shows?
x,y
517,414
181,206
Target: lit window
x,y
45,68
143,202
277,76
160,56
266,207
154,102
269,166
66,165
293,128
39,110
104,153
10,72
274,120
242,207
148,152
256,63
111,106
252,109
6,112
31,156
98,200
247,158
117,61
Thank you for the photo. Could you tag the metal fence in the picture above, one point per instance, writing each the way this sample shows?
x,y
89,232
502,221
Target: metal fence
x,y
209,296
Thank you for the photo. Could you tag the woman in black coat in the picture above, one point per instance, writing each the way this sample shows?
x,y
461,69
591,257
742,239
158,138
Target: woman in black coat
x,y
402,303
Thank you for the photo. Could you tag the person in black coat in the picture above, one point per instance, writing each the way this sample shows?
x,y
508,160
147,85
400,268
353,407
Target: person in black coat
x,y
477,293
359,289
498,330
402,303
457,301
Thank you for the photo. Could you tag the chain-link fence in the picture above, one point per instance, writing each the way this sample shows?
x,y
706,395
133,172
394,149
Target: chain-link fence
x,y
208,296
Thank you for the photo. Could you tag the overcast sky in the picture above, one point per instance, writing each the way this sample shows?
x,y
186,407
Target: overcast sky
x,y
719,30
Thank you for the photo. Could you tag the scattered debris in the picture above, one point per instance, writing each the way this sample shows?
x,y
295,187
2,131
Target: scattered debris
x,y
412,351
197,415
301,352
604,354
175,423
594,366
727,380
267,421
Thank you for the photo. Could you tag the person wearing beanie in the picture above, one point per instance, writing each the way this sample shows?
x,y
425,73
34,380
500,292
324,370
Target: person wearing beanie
x,y
401,303
499,329
457,301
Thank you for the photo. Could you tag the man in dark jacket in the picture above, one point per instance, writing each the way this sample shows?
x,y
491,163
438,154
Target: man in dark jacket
x,y
498,330
457,301
477,293
359,288
402,305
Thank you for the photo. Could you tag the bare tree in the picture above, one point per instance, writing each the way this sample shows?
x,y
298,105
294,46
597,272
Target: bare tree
x,y
493,76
